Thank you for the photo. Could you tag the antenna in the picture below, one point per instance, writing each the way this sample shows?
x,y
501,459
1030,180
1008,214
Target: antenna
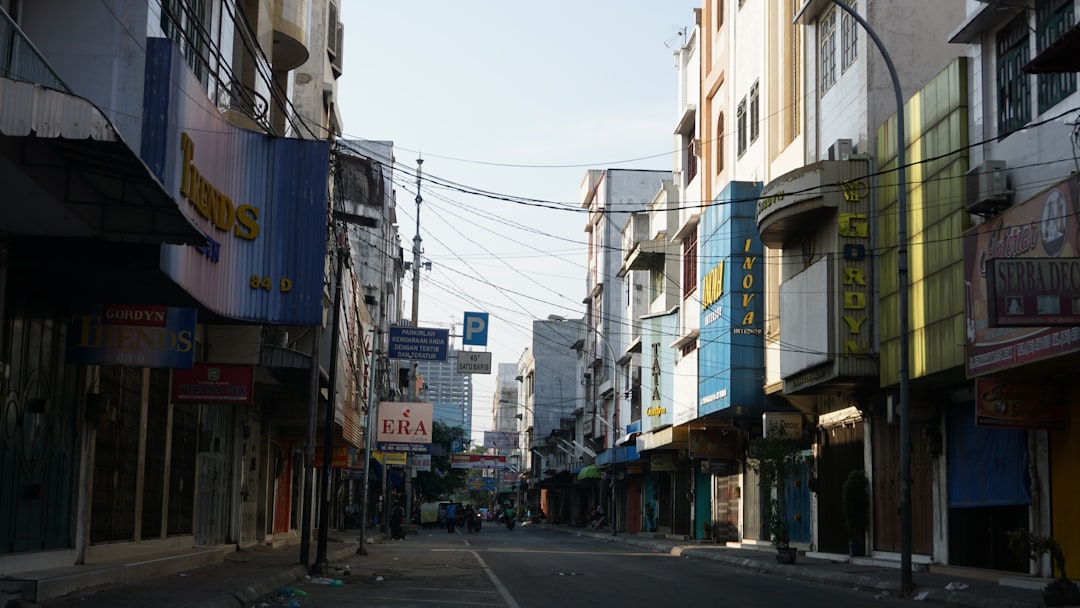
x,y
681,34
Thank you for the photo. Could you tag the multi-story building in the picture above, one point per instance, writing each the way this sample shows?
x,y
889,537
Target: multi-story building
x,y
1016,178
448,391
831,227
179,200
608,359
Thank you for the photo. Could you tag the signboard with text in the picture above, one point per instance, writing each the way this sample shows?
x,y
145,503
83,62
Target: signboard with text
x,y
471,362
213,383
133,335
418,343
404,426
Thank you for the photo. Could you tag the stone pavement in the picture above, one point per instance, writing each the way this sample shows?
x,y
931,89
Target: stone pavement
x,y
247,578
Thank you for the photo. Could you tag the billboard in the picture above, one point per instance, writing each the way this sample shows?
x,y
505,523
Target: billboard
x,y
500,439
1002,258
404,426
134,335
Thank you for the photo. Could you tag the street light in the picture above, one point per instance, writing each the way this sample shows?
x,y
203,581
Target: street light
x,y
902,286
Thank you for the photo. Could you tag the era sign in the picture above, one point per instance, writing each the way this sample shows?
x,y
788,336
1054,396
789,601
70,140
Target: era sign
x,y
404,423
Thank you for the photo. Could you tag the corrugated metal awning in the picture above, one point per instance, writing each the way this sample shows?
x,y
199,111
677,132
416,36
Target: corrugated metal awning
x,y
69,173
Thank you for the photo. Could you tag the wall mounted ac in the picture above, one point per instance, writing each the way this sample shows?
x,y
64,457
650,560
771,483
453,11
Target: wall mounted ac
x,y
987,191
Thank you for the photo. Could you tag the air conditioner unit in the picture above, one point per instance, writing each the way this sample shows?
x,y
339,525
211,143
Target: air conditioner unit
x,y
987,192
840,149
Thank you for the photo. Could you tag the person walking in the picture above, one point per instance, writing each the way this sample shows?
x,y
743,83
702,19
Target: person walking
x,y
451,515
397,522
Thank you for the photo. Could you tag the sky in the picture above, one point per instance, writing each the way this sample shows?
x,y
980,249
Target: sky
x,y
508,100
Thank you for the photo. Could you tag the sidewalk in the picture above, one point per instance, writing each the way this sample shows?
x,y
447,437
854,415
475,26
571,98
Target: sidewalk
x,y
246,578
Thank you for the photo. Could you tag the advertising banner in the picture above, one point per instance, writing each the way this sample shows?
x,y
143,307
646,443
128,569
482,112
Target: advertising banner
x,y
477,461
500,439
213,383
714,443
1019,405
1025,244
404,426
133,335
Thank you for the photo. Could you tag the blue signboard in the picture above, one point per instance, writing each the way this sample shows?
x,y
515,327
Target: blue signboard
x,y
134,335
475,330
731,361
415,448
418,343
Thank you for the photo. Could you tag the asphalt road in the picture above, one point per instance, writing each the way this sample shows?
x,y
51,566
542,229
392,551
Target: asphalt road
x,y
534,568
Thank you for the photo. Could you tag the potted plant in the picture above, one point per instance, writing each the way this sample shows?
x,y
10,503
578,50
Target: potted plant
x,y
1061,591
773,457
707,528
855,495
650,516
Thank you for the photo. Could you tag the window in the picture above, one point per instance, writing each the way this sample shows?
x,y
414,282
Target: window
x,y
740,117
689,264
720,135
690,160
184,22
827,44
1014,90
1052,18
794,70
849,37
754,113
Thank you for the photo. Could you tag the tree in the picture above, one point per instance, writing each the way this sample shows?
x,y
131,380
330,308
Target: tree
x,y
442,481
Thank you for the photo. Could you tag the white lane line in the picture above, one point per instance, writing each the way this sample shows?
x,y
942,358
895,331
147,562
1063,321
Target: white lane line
x,y
495,580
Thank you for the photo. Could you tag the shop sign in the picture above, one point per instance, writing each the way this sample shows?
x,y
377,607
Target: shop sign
x,y
1019,404
213,383
132,335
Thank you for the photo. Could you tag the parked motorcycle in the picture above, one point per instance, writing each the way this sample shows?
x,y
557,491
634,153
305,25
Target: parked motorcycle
x,y
474,522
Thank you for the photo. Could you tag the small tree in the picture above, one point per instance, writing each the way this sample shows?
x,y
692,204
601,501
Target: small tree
x,y
1060,592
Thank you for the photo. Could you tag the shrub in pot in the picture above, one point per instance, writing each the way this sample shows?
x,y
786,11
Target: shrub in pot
x,y
855,494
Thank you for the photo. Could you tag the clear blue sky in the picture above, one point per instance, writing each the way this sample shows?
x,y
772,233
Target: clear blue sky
x,y
517,99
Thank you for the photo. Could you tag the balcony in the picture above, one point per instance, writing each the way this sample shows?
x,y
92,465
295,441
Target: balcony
x,y
644,255
290,34
20,60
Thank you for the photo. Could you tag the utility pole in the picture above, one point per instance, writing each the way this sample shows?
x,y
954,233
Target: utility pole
x,y
321,561
412,396
309,450
372,416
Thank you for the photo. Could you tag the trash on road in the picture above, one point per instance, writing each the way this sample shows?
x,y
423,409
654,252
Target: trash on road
x,y
956,586
920,596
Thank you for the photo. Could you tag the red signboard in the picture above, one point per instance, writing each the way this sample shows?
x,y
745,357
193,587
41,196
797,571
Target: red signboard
x,y
1034,237
212,383
477,461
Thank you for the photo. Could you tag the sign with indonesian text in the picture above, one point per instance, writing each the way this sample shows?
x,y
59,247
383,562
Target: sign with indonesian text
x,y
404,426
1020,404
212,383
1019,268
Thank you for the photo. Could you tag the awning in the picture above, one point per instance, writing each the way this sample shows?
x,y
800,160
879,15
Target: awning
x,y
627,438
76,176
589,471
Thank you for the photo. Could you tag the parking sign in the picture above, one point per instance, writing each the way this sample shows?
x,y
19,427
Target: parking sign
x,y
476,324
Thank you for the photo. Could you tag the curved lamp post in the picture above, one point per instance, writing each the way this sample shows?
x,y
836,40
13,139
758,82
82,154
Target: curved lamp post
x,y
902,285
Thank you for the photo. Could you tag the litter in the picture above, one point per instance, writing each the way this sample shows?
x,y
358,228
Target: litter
x,y
920,596
956,586
379,578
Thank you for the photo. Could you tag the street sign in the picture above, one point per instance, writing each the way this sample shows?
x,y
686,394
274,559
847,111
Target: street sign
x,y
418,343
470,362
476,324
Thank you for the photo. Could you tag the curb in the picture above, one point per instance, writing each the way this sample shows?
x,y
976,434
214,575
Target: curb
x,y
269,587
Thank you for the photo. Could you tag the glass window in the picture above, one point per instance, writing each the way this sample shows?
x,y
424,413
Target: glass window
x,y
720,135
827,44
849,37
1052,18
1014,90
740,117
689,264
754,113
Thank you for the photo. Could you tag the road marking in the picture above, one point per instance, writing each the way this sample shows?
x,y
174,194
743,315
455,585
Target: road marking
x,y
495,580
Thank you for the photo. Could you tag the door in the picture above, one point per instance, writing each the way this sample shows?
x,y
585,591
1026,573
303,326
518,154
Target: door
x,y
633,505
886,489
212,511
842,452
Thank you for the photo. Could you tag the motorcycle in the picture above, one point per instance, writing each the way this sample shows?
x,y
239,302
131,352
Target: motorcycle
x,y
475,521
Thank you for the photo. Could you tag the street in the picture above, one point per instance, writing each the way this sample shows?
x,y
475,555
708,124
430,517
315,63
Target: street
x,y
531,567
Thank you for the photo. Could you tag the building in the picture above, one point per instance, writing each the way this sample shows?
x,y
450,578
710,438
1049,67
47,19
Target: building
x,y
448,391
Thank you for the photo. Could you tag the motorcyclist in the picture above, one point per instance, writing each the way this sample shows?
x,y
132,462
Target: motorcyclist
x,y
508,516
470,518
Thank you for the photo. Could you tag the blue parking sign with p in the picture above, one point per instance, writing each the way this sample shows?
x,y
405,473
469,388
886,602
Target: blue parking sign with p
x,y
476,326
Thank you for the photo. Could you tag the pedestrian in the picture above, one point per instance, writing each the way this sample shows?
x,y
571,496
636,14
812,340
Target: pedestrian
x,y
451,515
397,521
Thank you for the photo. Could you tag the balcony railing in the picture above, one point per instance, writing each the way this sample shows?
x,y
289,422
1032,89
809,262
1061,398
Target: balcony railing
x,y
20,59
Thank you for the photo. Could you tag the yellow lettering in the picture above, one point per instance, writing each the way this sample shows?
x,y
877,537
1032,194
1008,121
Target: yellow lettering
x,y
854,276
286,285
713,286
748,261
851,347
748,318
210,202
853,225
854,323
854,300
747,281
